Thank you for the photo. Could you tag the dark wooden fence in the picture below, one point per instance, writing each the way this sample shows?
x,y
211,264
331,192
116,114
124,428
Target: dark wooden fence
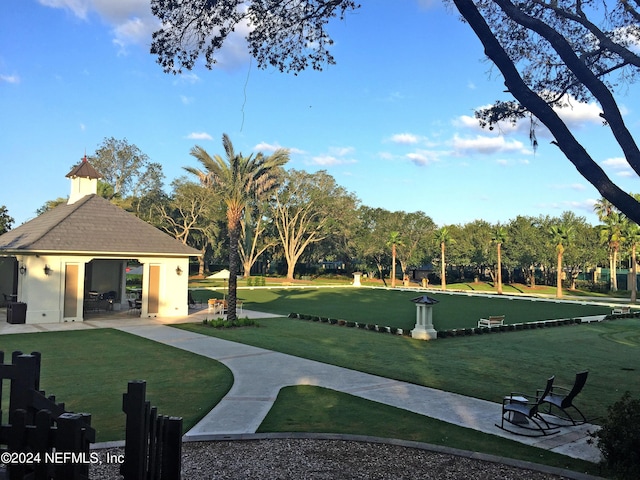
x,y
41,439
153,446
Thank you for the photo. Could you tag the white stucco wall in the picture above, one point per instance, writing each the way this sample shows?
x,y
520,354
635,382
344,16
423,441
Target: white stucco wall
x,y
174,288
44,294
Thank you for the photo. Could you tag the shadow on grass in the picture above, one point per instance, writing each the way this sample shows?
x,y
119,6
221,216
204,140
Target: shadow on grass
x,y
319,410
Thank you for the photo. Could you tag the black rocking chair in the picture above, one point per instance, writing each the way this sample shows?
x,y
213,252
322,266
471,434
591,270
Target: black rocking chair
x,y
523,413
560,399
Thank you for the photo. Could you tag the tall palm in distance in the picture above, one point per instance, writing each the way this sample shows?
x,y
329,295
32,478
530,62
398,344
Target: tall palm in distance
x,y
499,237
394,241
443,237
238,180
561,237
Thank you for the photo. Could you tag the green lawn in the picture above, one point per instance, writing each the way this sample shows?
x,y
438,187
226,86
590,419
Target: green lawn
x,y
482,366
89,371
394,307
304,408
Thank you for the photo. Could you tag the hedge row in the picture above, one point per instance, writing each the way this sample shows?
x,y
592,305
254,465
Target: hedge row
x,y
347,323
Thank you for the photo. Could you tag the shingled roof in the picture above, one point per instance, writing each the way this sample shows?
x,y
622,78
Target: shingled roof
x,y
92,225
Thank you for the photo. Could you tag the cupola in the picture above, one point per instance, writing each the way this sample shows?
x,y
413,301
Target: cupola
x,y
84,181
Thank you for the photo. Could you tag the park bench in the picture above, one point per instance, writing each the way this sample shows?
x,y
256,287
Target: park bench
x,y
492,321
621,310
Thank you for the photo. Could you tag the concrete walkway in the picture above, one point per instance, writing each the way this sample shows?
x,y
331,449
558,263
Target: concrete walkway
x,y
259,375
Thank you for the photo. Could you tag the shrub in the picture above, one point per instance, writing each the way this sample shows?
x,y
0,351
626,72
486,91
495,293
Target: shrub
x,y
619,437
333,321
362,325
249,282
315,319
393,330
371,326
293,315
382,329
324,319
351,324
342,322
223,323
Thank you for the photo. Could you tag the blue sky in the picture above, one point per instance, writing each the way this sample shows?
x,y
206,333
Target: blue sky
x,y
392,121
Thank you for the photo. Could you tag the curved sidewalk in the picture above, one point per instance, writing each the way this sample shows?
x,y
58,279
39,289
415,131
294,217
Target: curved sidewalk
x,y
259,375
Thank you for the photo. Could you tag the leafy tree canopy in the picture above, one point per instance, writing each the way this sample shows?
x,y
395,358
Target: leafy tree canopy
x,y
550,53
126,169
6,221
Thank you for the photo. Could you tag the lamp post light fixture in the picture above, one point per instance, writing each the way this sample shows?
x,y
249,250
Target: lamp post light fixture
x,y
178,270
23,270
47,270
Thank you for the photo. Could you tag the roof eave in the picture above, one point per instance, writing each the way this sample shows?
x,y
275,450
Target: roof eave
x,y
85,253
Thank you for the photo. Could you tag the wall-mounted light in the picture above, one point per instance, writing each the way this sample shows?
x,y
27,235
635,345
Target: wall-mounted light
x,y
23,270
178,270
47,270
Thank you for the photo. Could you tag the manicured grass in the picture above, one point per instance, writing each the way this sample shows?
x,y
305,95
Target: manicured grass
x,y
313,409
483,366
394,307
89,371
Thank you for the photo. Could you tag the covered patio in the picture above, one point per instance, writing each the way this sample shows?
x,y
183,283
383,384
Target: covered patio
x,y
71,261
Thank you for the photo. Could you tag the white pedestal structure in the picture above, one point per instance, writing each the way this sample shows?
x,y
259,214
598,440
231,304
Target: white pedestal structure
x,y
424,319
356,279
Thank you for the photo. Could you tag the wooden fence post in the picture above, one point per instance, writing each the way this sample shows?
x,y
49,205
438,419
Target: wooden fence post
x,y
136,431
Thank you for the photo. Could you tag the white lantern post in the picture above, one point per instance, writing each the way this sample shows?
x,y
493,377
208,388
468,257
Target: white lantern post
x,y
424,318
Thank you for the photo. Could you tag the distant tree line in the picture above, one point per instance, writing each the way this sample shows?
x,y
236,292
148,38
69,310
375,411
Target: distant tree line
x,y
307,224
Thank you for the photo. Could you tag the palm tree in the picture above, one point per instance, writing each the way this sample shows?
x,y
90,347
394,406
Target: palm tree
x,y
499,237
603,208
443,237
238,180
612,234
561,236
394,241
632,235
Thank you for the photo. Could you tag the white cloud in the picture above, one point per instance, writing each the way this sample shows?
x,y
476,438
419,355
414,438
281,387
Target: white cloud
x,y
423,157
577,114
187,77
326,160
199,136
78,7
186,100
620,166
133,31
341,151
486,145
331,161
405,138
132,23
15,79
336,156
272,147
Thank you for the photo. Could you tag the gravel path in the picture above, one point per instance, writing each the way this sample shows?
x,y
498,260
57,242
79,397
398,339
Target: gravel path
x,y
297,459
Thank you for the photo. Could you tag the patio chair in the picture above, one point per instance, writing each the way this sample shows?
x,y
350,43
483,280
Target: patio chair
x,y
560,399
523,413
134,307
